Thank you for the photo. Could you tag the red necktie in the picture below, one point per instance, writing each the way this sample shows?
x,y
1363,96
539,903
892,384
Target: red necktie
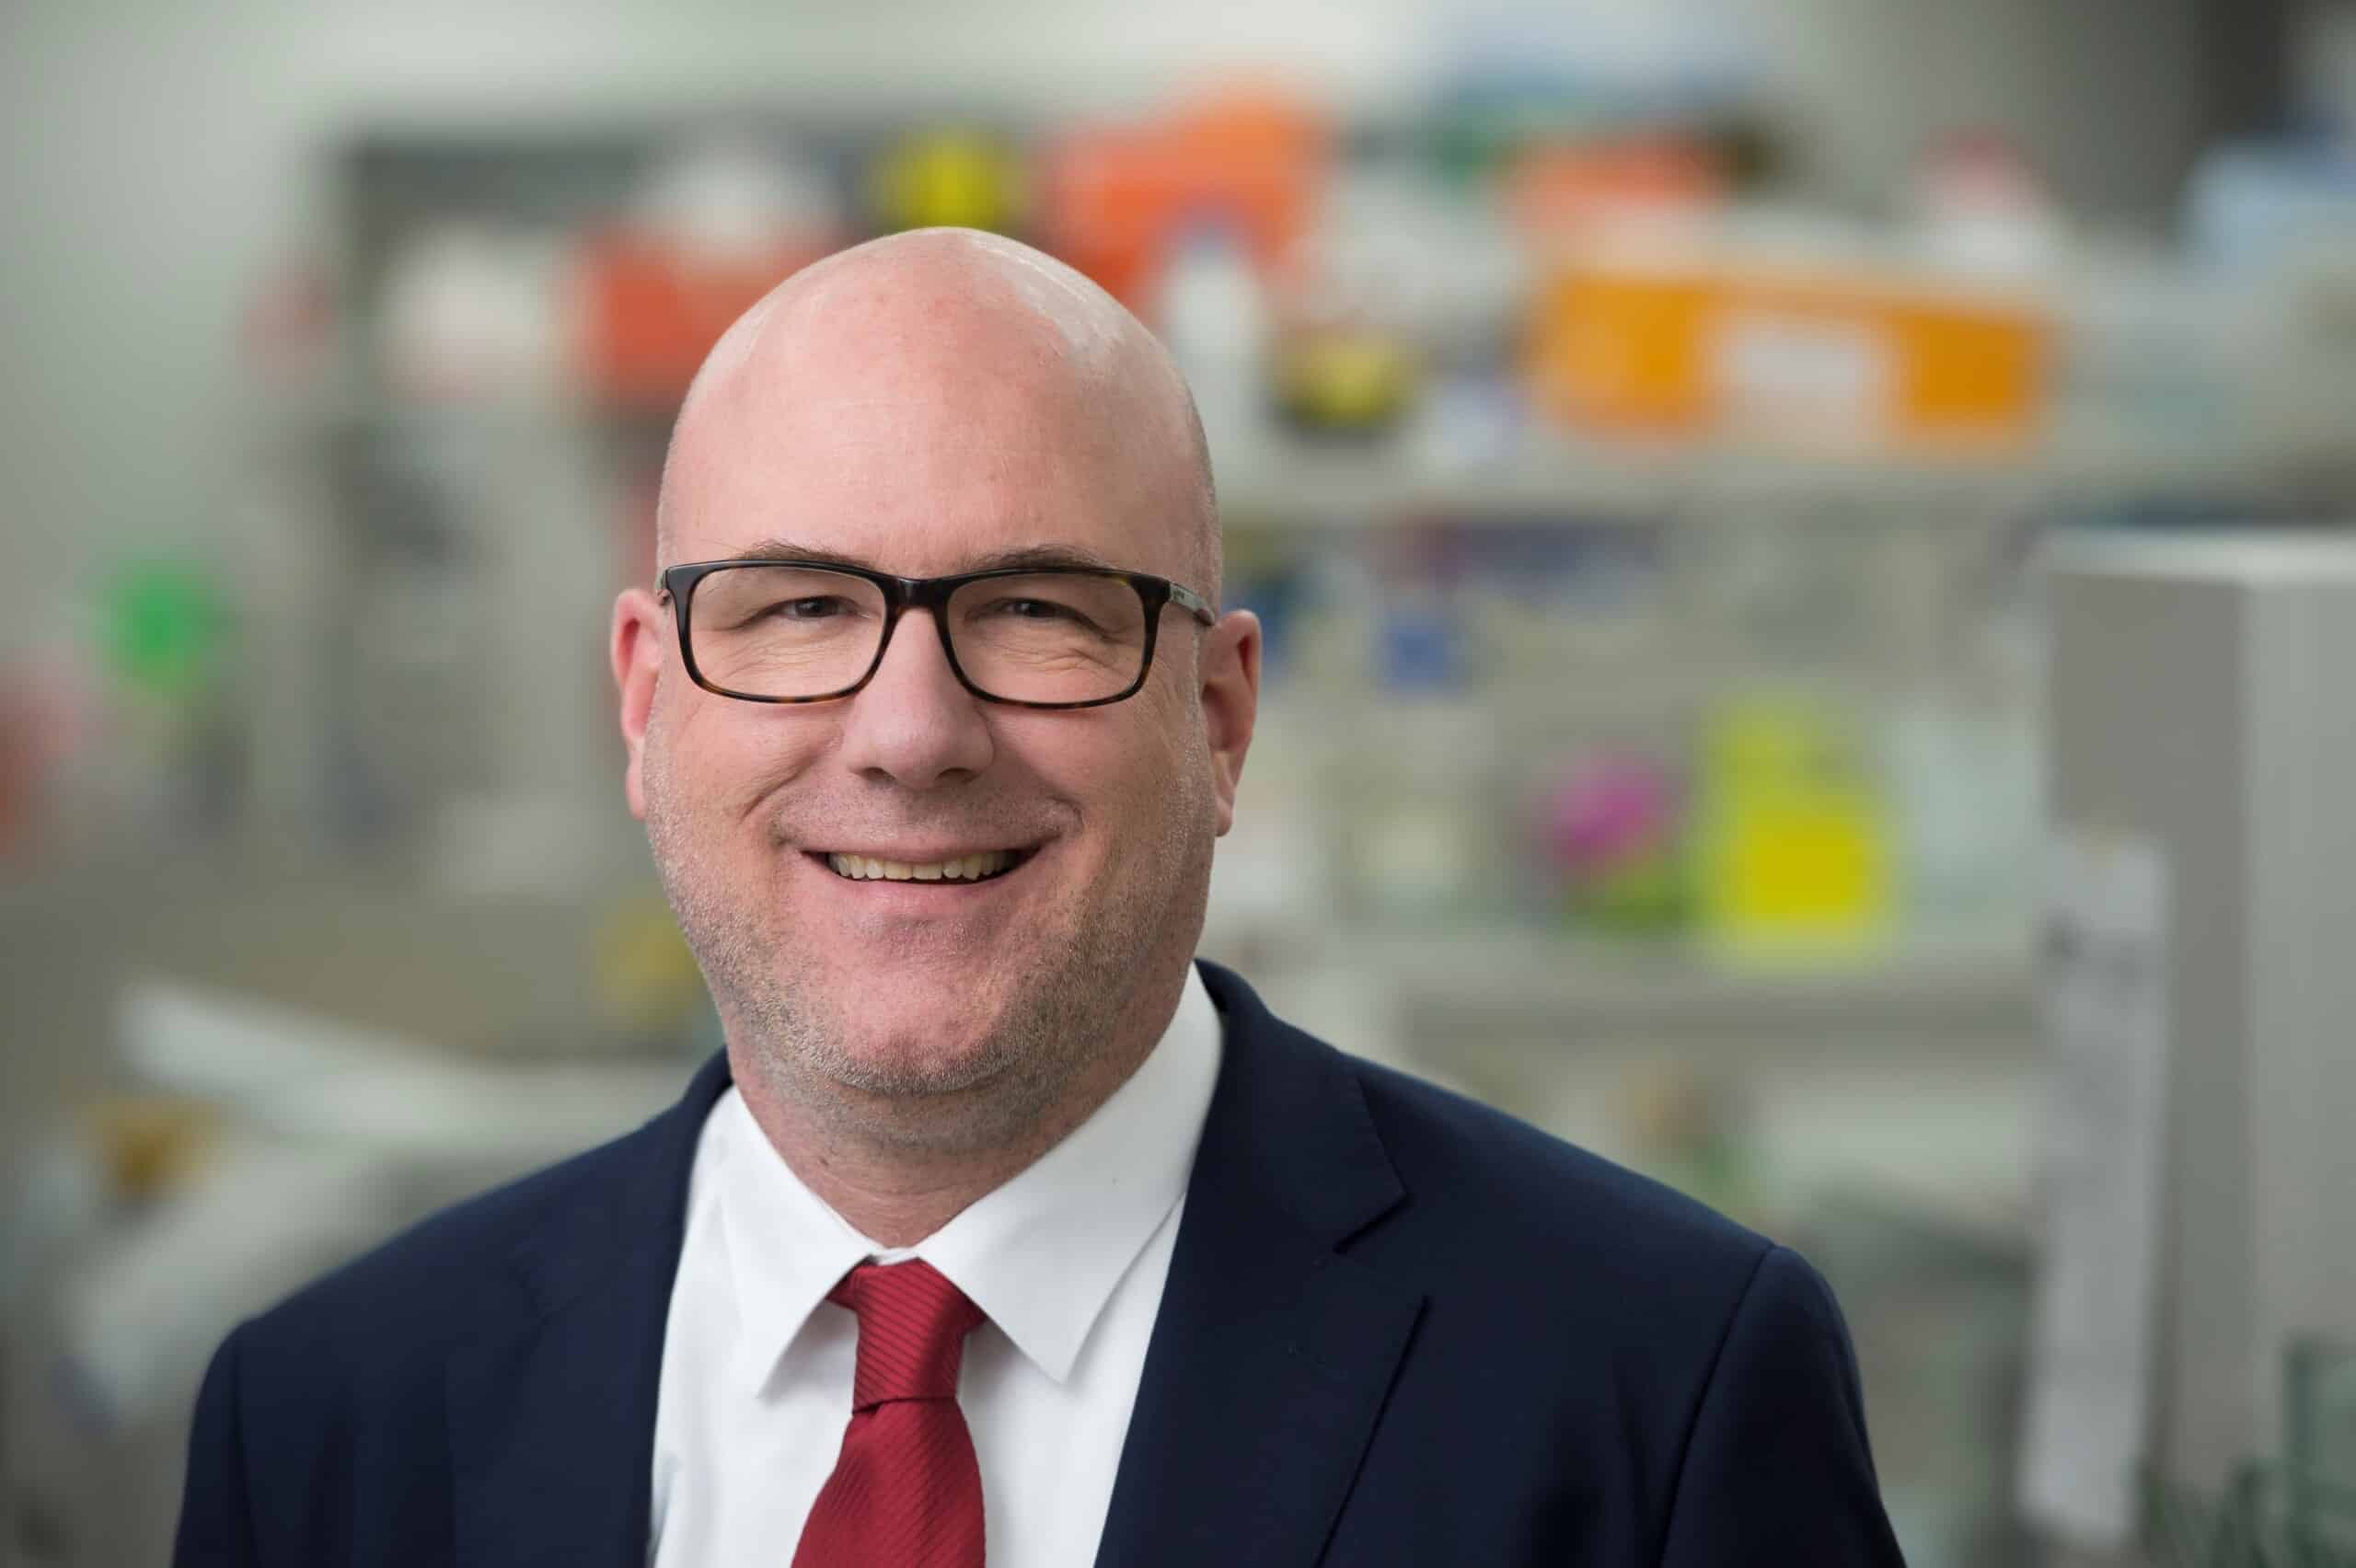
x,y
907,1490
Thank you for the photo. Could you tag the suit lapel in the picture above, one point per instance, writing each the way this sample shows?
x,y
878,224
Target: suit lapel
x,y
1272,1352
551,1409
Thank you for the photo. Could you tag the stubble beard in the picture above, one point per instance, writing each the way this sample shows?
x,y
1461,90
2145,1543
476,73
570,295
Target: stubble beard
x,y
1069,1007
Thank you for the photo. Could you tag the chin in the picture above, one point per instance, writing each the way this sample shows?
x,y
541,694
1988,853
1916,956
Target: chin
x,y
916,1050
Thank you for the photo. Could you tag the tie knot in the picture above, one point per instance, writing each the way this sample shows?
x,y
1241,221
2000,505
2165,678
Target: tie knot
x,y
912,1328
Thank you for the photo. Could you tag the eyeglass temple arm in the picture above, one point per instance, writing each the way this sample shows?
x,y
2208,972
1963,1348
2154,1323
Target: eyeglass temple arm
x,y
1193,604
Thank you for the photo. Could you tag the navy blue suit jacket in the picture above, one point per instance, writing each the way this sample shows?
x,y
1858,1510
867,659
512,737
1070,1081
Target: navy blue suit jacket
x,y
1399,1328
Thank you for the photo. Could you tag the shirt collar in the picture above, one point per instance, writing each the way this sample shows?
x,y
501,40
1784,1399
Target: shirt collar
x,y
1040,1254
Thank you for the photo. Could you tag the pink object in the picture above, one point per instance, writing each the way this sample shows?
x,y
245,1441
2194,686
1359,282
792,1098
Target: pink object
x,y
1607,811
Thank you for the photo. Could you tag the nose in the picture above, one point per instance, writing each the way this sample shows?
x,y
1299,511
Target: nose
x,y
914,723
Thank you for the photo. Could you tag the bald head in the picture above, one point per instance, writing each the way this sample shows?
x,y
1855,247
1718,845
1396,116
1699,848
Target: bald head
x,y
947,358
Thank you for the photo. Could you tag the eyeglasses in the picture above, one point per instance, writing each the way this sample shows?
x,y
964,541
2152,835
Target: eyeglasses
x,y
801,631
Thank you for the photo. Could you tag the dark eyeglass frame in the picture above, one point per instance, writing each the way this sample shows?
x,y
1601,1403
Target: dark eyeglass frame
x,y
903,594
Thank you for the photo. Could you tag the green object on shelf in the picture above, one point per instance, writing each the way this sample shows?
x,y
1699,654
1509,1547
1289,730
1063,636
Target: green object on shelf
x,y
163,627
1645,895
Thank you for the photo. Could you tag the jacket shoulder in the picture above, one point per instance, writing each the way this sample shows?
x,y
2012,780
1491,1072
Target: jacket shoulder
x,y
445,1275
1493,1192
1695,1374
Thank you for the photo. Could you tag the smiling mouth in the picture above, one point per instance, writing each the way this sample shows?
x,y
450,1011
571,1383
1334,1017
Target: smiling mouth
x,y
981,867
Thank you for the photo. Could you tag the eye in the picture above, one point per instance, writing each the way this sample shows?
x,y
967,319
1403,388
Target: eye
x,y
1037,609
816,606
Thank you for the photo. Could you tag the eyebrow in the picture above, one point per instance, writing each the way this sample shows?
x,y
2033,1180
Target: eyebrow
x,y
1035,557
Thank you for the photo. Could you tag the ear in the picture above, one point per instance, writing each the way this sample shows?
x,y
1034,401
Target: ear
x,y
1230,700
637,651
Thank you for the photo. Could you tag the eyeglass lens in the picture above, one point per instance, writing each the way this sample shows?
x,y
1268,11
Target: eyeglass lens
x,y
790,631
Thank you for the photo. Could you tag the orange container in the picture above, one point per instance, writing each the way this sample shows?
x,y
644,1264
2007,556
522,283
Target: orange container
x,y
1115,202
1710,352
649,311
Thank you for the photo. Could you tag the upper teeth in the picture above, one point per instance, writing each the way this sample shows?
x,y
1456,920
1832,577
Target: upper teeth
x,y
965,867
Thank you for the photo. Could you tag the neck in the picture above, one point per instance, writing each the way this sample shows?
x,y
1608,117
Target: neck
x,y
870,1156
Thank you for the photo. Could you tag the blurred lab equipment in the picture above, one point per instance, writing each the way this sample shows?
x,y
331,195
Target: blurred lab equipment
x,y
2194,963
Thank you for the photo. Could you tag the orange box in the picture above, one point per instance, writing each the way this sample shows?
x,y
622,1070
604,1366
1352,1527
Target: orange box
x,y
649,312
1116,201
1714,352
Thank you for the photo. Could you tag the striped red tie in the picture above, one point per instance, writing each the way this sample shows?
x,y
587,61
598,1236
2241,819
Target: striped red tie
x,y
906,1489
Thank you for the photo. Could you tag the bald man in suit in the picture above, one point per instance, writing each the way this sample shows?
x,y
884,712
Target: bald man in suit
x,y
1003,1229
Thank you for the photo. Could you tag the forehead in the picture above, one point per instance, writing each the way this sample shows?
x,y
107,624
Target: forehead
x,y
906,490
925,452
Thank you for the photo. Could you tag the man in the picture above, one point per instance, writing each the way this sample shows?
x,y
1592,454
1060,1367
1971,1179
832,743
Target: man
x,y
1001,1227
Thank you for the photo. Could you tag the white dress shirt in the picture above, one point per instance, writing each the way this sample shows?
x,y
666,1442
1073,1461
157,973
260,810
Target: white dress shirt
x,y
1067,1259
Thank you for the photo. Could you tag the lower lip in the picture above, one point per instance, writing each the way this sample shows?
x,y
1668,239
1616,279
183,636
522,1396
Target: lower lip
x,y
919,894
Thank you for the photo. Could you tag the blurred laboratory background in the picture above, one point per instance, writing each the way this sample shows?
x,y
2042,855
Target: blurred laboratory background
x,y
1810,597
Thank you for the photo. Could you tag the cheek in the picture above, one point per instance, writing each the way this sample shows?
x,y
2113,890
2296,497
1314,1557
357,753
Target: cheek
x,y
1129,779
721,757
